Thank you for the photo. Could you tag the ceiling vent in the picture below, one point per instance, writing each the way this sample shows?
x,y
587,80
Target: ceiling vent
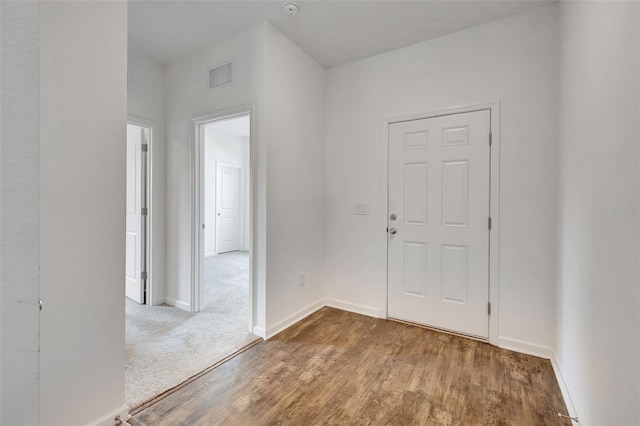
x,y
219,76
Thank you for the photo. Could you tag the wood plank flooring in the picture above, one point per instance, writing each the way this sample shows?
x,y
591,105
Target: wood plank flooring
x,y
340,368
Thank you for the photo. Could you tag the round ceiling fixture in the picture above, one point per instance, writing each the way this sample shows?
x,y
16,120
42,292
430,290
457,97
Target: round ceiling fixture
x,y
291,8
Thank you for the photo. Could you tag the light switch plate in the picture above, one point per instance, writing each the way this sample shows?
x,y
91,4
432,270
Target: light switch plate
x,y
362,208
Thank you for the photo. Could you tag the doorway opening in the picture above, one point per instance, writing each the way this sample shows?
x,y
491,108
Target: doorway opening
x,y
222,221
226,186
226,196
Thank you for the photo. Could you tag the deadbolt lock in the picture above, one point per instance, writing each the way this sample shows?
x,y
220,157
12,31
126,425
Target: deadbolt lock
x,y
393,216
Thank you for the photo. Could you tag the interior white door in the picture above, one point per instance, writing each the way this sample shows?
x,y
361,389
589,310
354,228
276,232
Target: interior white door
x,y
227,208
439,181
134,284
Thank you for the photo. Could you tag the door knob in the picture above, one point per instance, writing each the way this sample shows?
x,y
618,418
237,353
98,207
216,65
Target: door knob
x,y
393,231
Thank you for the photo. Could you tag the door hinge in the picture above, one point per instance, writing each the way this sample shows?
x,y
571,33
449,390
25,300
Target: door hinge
x,y
489,308
145,147
143,275
490,138
489,223
145,211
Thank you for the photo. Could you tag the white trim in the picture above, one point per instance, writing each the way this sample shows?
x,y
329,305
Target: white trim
x,y
353,307
494,235
565,389
515,345
282,325
197,216
177,303
109,418
212,254
259,331
549,353
197,206
294,318
525,347
152,290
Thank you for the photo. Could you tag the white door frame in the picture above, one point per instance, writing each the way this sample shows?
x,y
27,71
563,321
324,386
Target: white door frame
x,y
197,204
148,231
494,200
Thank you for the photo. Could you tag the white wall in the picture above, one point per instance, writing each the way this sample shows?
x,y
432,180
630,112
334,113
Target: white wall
x,y
20,221
187,97
145,99
598,292
288,88
83,111
296,86
513,60
222,146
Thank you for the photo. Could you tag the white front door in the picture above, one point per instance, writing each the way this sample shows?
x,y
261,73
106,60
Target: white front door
x,y
439,179
134,284
228,208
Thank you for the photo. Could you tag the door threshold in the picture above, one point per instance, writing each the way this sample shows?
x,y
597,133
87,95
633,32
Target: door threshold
x,y
138,408
441,330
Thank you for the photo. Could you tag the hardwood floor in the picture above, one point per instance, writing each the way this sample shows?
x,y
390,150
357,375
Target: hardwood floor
x,y
340,368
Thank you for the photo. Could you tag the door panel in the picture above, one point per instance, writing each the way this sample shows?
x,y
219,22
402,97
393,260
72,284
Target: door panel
x,y
439,176
415,193
228,208
134,285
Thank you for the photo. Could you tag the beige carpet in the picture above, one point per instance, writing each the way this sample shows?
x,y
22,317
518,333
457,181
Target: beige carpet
x,y
165,345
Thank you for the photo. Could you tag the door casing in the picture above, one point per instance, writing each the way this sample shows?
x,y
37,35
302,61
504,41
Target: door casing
x,y
494,202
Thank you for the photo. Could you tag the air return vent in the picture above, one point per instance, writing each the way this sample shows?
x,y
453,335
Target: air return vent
x,y
221,75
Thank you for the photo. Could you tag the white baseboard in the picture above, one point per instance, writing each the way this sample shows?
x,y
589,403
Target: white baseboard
x,y
353,307
260,332
159,301
178,304
565,389
303,313
210,254
292,319
515,345
550,354
525,347
109,419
